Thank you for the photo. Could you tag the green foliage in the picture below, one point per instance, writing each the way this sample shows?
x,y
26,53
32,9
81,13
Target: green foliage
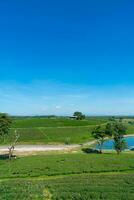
x,y
109,129
99,134
118,136
5,123
79,115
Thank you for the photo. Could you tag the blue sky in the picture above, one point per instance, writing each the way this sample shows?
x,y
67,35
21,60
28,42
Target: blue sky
x,y
57,57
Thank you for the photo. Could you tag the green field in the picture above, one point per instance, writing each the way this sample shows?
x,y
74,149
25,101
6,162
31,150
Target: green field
x,y
68,176
57,122
81,187
56,131
52,131
65,176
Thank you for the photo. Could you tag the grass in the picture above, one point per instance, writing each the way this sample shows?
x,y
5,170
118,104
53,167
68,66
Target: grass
x,y
52,131
57,122
82,187
54,135
70,176
65,164
55,131
67,177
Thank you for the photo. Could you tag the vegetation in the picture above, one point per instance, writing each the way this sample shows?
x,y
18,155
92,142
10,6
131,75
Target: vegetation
x,y
117,130
65,164
51,130
68,176
79,176
55,122
79,115
5,123
99,134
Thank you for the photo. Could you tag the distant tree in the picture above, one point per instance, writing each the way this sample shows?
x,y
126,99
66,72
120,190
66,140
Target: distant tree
x,y
5,123
79,115
99,134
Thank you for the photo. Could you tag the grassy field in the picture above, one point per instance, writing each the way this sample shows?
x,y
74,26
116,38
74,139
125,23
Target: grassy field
x,y
68,176
65,164
81,187
52,131
56,131
57,122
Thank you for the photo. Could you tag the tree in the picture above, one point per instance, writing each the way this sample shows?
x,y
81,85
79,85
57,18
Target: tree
x,y
118,136
79,115
99,134
117,130
5,123
12,148
109,129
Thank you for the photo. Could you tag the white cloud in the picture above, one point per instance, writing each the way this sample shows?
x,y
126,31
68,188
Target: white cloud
x,y
53,98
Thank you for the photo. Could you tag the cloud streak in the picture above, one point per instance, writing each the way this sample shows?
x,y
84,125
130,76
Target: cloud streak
x,y
47,97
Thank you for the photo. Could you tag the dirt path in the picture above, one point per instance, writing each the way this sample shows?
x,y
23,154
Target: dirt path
x,y
43,148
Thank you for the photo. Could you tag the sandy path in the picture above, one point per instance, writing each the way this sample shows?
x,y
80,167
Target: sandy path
x,y
38,148
41,148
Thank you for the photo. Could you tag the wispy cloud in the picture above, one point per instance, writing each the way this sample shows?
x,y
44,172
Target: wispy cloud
x,y
47,97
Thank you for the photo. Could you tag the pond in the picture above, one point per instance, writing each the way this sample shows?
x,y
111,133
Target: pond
x,y
109,145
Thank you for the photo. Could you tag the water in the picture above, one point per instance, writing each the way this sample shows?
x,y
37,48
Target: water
x,y
108,145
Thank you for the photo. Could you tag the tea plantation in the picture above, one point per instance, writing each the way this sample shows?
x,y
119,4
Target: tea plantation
x,y
68,176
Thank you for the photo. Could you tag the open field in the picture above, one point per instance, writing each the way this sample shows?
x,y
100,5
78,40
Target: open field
x,y
52,131
56,122
72,175
56,131
81,187
66,164
68,176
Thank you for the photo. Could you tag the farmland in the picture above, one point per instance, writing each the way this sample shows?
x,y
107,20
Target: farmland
x,y
56,131
68,176
73,175
53,131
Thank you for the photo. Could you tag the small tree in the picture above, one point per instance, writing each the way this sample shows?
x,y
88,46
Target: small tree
x,y
12,148
5,123
79,115
99,134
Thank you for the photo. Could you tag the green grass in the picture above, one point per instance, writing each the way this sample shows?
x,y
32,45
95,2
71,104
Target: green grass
x,y
68,176
58,122
130,129
52,131
65,164
82,187
52,135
